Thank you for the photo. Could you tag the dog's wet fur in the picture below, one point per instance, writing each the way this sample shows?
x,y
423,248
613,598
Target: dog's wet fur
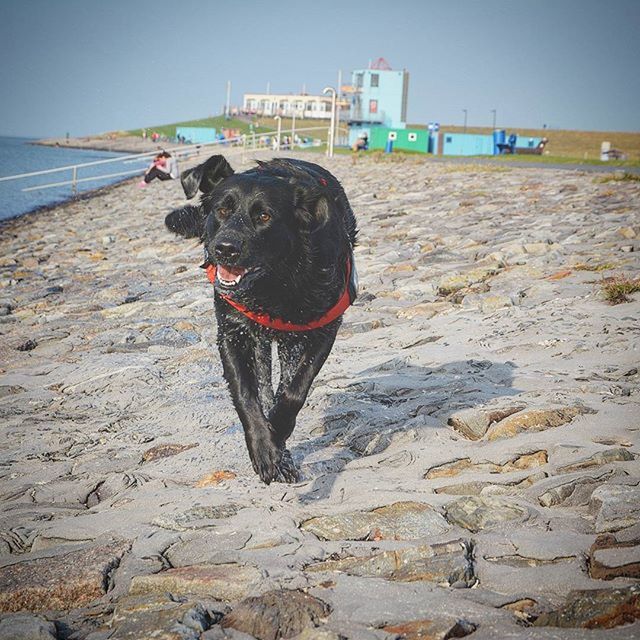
x,y
281,235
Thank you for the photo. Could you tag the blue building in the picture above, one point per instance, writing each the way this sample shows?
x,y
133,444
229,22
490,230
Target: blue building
x,y
378,97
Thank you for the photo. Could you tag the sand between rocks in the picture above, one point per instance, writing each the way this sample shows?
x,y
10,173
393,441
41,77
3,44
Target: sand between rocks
x,y
479,393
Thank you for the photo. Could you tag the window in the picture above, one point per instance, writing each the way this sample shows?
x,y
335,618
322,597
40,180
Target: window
x,y
358,80
412,137
375,79
393,135
448,139
373,106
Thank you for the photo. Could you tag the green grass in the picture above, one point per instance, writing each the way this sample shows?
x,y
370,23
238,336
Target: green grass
x,y
616,289
261,125
217,122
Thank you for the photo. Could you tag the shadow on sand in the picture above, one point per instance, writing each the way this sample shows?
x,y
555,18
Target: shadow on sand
x,y
393,402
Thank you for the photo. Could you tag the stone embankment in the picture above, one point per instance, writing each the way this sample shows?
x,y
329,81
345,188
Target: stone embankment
x,y
469,451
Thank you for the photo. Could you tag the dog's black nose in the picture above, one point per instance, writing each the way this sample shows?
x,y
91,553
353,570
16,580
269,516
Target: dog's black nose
x,y
227,252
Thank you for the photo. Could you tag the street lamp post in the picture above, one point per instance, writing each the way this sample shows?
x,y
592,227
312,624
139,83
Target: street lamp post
x,y
465,121
293,128
279,119
332,91
494,118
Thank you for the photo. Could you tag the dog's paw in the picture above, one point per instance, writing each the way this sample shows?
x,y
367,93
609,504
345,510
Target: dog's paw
x,y
287,470
266,460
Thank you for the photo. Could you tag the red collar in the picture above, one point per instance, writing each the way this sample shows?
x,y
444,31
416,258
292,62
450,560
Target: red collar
x,y
282,325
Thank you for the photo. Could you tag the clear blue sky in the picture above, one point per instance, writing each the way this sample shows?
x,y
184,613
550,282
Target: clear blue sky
x,y
85,66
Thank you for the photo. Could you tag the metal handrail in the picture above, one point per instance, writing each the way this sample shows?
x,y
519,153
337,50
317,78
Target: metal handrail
x,y
183,150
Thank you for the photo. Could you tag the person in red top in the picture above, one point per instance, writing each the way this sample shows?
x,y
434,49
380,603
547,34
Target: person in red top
x,y
163,167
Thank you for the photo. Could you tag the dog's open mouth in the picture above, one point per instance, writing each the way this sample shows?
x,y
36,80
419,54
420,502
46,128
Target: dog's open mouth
x,y
230,276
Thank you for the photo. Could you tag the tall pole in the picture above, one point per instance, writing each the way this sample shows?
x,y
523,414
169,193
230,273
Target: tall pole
x,y
228,107
494,118
293,128
332,91
339,96
465,121
279,119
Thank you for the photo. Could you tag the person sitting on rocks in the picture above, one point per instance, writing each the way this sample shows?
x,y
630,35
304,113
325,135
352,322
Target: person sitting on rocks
x,y
362,142
163,167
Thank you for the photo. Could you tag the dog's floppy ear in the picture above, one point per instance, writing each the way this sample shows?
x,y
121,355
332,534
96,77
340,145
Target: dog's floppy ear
x,y
312,207
205,176
187,222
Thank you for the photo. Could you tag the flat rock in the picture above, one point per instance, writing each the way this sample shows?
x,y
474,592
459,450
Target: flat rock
x,y
436,629
318,633
476,513
206,547
277,614
598,459
517,463
449,563
160,616
473,423
398,521
534,420
480,487
456,281
616,506
610,558
573,492
595,609
21,626
198,517
229,581
64,581
166,450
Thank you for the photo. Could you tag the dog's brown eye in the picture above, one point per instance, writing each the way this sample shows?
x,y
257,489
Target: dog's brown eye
x,y
265,217
223,212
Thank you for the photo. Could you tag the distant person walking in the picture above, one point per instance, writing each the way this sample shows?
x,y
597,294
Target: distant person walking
x,y
163,167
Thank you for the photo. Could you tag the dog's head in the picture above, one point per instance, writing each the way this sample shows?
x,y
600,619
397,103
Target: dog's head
x,y
254,225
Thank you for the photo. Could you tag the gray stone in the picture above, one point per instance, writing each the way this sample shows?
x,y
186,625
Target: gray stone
x,y
449,563
67,580
595,609
228,581
617,506
207,547
21,626
163,617
473,423
277,614
398,521
610,558
574,492
477,513
436,629
598,459
199,517
534,420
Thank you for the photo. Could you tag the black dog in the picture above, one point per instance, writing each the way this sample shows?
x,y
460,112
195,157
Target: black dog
x,y
278,243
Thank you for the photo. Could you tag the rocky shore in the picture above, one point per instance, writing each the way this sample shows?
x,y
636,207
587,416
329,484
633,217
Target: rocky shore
x,y
106,142
469,450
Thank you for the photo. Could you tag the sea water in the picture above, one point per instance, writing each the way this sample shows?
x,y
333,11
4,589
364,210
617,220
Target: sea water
x,y
20,155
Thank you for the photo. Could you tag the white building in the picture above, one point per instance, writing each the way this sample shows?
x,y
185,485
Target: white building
x,y
285,105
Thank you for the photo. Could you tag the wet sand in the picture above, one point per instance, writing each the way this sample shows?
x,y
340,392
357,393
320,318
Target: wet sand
x,y
481,392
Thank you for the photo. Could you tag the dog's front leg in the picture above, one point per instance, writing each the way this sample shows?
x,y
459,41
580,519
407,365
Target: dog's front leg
x,y
301,358
239,367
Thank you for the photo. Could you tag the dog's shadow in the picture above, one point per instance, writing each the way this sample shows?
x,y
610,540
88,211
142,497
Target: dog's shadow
x,y
392,403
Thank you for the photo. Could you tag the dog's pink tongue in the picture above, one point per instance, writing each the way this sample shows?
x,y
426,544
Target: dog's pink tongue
x,y
230,273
